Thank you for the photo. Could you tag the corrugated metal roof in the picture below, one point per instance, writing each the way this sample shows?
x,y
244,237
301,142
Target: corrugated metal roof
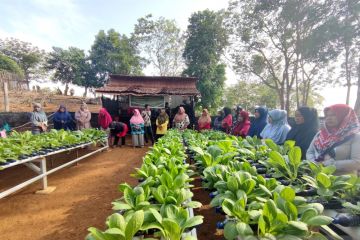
x,y
149,85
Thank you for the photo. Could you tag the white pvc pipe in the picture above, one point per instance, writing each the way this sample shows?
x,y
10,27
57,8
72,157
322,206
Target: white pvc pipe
x,y
42,175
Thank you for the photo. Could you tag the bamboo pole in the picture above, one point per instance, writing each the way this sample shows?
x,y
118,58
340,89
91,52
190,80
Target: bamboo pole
x,y
6,96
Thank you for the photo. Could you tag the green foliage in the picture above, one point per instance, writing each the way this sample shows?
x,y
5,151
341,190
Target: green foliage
x,y
206,42
284,44
113,53
28,57
26,143
249,95
9,65
68,65
162,42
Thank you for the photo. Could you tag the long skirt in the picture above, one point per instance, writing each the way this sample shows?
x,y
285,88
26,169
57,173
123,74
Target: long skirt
x,y
138,140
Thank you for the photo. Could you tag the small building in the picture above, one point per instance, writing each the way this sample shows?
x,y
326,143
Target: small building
x,y
128,92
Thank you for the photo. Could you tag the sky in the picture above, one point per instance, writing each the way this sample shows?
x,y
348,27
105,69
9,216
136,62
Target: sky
x,y
64,23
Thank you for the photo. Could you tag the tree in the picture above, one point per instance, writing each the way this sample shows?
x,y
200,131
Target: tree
x,y
9,65
114,53
348,12
275,41
88,78
68,65
27,56
205,44
163,44
250,94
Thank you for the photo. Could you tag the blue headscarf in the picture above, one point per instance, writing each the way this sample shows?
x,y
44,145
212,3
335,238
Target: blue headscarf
x,y
259,123
278,129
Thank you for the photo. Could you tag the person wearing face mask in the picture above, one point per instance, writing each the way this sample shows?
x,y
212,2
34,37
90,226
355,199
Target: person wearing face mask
x,y
259,122
338,142
242,125
277,127
306,127
38,119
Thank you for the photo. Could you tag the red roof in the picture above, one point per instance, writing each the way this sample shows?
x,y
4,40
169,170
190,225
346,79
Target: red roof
x,y
150,85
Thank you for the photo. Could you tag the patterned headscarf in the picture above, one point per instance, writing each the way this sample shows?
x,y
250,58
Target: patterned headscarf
x,y
348,126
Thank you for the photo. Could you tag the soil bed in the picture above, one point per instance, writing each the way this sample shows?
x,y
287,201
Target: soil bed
x,y
82,197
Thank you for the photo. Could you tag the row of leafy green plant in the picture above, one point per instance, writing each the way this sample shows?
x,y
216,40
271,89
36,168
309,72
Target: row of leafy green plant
x,y
265,190
24,145
158,207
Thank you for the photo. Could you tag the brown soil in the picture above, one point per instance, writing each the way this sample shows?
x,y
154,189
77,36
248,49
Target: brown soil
x,y
21,101
82,197
208,229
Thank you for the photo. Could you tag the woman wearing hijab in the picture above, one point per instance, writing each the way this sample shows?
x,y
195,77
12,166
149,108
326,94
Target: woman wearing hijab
x,y
242,125
218,121
259,123
181,120
83,117
306,127
137,129
62,119
204,121
227,122
162,122
277,127
104,119
38,120
338,142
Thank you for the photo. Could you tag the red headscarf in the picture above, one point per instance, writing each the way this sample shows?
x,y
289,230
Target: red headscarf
x,y
348,126
242,127
104,118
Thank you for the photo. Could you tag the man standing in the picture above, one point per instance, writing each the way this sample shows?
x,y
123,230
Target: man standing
x,y
146,115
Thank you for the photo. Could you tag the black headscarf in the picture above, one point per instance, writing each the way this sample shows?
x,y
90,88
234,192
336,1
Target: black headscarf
x,y
304,133
258,124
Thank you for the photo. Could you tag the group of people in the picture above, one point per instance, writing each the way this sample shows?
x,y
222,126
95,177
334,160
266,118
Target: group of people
x,y
336,143
61,119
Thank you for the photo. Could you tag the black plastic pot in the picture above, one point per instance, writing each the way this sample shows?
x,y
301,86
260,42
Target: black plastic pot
x,y
219,210
213,194
10,160
332,204
258,165
261,170
284,182
347,220
307,193
4,163
141,180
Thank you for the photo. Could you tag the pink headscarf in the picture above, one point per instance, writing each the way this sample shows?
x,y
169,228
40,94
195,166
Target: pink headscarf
x,y
181,115
136,118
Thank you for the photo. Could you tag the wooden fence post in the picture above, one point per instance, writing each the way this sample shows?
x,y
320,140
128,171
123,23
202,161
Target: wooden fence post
x,y
6,96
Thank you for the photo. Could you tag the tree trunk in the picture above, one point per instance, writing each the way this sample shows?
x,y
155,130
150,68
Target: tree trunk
x,y
357,103
6,96
85,93
347,73
66,89
27,79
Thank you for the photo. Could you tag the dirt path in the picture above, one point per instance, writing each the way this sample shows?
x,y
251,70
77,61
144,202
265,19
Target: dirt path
x,y
82,198
207,230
